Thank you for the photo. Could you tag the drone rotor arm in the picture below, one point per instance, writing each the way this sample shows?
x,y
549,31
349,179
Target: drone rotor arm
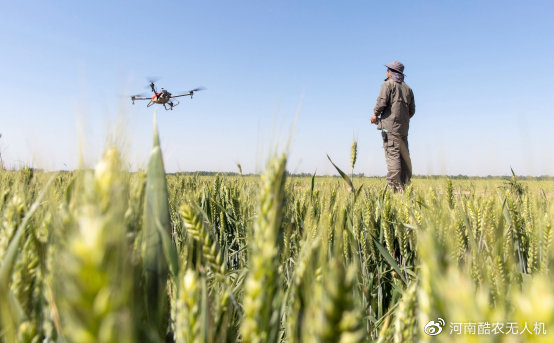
x,y
189,93
176,96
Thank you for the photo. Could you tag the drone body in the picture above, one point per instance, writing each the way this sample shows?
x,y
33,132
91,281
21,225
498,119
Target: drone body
x,y
163,98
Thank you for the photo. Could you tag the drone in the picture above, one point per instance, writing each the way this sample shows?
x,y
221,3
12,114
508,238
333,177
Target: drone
x,y
163,98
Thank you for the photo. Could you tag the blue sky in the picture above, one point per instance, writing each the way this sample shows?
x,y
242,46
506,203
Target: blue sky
x,y
482,75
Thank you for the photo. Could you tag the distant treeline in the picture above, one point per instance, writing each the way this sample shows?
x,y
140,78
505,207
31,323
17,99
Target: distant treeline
x,y
453,177
289,174
464,177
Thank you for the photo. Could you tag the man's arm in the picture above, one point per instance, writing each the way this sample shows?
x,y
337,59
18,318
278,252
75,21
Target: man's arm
x,y
382,102
412,104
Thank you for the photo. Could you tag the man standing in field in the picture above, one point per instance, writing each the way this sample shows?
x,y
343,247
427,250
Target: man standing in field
x,y
395,106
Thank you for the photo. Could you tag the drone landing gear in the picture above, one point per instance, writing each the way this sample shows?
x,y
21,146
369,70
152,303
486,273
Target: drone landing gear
x,y
149,104
171,105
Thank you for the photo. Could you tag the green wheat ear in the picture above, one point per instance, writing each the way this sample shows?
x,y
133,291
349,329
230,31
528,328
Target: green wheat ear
x,y
93,289
262,293
406,329
11,312
339,318
156,223
187,308
353,154
196,229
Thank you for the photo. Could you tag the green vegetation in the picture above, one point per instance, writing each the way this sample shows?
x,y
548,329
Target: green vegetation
x,y
105,255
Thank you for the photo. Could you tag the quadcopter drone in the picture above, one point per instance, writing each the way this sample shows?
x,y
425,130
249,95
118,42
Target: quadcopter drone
x,y
163,98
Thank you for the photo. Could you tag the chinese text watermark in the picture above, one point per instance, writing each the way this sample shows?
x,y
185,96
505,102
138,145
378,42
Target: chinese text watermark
x,y
434,328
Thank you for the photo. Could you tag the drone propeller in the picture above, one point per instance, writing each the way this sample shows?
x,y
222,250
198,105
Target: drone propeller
x,y
195,90
141,95
151,85
192,90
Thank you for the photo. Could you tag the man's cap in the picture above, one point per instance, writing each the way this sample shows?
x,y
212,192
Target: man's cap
x,y
396,66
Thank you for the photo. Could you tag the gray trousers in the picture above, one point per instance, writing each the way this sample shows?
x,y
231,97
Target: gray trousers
x,y
399,164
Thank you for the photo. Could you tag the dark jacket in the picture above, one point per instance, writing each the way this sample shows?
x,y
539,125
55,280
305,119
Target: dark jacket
x,y
395,106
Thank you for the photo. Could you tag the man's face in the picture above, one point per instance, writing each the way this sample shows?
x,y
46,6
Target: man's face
x,y
388,73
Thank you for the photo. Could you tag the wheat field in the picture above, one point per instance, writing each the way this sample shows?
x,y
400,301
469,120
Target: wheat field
x,y
105,255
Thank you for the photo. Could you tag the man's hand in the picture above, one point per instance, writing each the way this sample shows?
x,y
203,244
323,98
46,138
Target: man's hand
x,y
374,119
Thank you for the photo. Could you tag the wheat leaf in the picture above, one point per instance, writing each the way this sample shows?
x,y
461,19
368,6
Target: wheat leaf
x,y
344,176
